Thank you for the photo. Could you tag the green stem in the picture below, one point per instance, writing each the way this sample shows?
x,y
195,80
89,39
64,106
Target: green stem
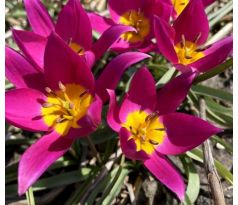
x,y
94,150
30,196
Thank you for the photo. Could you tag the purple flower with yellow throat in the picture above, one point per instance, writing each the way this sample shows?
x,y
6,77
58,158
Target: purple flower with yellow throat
x,y
138,14
72,25
63,100
183,42
149,128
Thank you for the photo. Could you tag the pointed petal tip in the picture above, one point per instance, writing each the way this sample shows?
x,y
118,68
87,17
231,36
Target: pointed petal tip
x,y
38,157
161,167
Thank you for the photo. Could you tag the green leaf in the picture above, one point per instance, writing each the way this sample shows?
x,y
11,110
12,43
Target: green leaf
x,y
102,186
193,186
11,171
115,187
215,71
211,92
54,181
218,108
217,116
197,155
166,77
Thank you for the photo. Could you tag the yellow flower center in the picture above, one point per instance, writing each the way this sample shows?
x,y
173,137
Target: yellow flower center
x,y
76,48
65,107
136,19
146,130
188,52
179,5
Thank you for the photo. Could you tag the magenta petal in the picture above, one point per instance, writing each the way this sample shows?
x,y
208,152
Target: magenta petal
x,y
173,93
94,112
23,109
113,112
214,55
36,159
184,132
142,89
207,2
192,22
32,45
118,7
89,58
73,25
129,147
166,173
164,34
63,64
40,20
158,8
100,23
108,38
127,107
122,46
21,73
111,75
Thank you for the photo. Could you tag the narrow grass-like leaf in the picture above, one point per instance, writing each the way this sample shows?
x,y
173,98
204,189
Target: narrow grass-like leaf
x,y
218,108
197,154
11,171
215,71
166,77
115,188
222,12
193,186
54,181
102,186
82,188
212,92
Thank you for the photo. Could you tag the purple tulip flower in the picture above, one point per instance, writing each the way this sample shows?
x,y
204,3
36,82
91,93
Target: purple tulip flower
x,y
138,14
149,128
72,25
182,43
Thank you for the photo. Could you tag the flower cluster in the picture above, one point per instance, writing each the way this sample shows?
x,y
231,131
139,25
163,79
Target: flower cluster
x,y
56,91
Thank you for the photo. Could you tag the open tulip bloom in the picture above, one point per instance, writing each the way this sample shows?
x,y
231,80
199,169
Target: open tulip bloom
x,y
182,43
149,128
72,25
62,100
138,14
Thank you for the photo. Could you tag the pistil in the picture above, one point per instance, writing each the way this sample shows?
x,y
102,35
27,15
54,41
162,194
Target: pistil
x,y
187,51
136,19
145,129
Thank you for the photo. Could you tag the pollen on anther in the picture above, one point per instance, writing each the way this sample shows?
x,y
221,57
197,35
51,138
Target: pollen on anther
x,y
48,90
61,86
47,105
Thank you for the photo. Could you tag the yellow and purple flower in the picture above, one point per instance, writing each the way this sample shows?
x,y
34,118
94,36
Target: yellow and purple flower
x,y
138,14
149,128
62,100
72,25
183,43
